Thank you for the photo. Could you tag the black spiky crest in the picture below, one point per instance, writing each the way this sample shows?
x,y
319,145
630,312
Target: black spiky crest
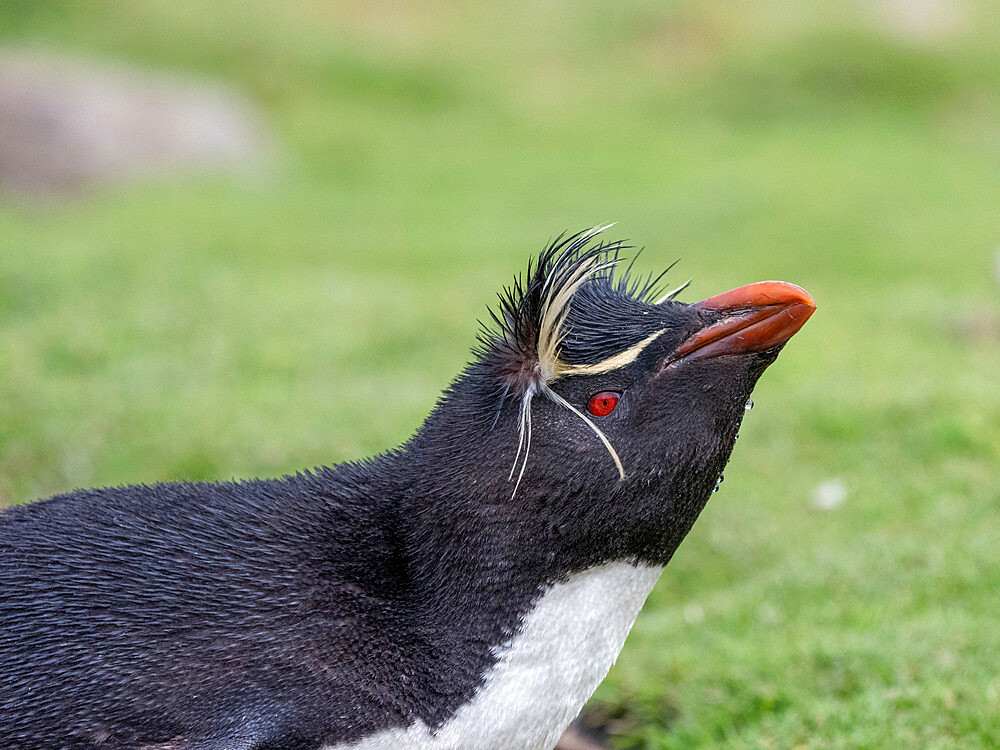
x,y
525,350
523,347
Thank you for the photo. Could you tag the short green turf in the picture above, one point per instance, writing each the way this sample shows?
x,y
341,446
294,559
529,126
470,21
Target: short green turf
x,y
208,327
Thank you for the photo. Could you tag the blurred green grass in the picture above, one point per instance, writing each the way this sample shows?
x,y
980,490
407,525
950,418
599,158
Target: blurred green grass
x,y
200,328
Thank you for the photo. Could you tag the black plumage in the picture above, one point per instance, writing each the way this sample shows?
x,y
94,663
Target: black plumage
x,y
317,609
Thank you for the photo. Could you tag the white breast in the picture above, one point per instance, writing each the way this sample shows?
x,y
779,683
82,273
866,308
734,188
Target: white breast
x,y
544,675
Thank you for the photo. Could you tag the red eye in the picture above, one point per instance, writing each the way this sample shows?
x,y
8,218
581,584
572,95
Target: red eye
x,y
602,404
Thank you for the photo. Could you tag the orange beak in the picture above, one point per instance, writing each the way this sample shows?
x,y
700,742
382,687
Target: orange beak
x,y
757,317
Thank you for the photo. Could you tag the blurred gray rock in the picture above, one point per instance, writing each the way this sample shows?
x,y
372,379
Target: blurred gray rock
x,y
69,124
576,739
591,730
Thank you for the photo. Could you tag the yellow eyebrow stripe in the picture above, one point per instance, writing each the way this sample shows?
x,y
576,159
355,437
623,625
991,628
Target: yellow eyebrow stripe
x,y
615,362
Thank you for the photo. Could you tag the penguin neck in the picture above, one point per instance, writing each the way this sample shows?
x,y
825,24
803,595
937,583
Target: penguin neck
x,y
537,680
464,555
485,596
468,543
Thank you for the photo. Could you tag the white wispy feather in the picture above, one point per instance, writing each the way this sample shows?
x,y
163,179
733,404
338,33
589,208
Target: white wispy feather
x,y
673,292
551,331
525,422
604,439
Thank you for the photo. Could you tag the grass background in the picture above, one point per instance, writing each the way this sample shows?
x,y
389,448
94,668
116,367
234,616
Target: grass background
x,y
203,327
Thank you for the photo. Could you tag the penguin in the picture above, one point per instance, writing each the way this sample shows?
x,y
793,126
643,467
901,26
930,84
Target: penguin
x,y
468,589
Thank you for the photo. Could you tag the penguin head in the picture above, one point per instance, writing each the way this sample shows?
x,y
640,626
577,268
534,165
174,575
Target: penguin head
x,y
598,412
